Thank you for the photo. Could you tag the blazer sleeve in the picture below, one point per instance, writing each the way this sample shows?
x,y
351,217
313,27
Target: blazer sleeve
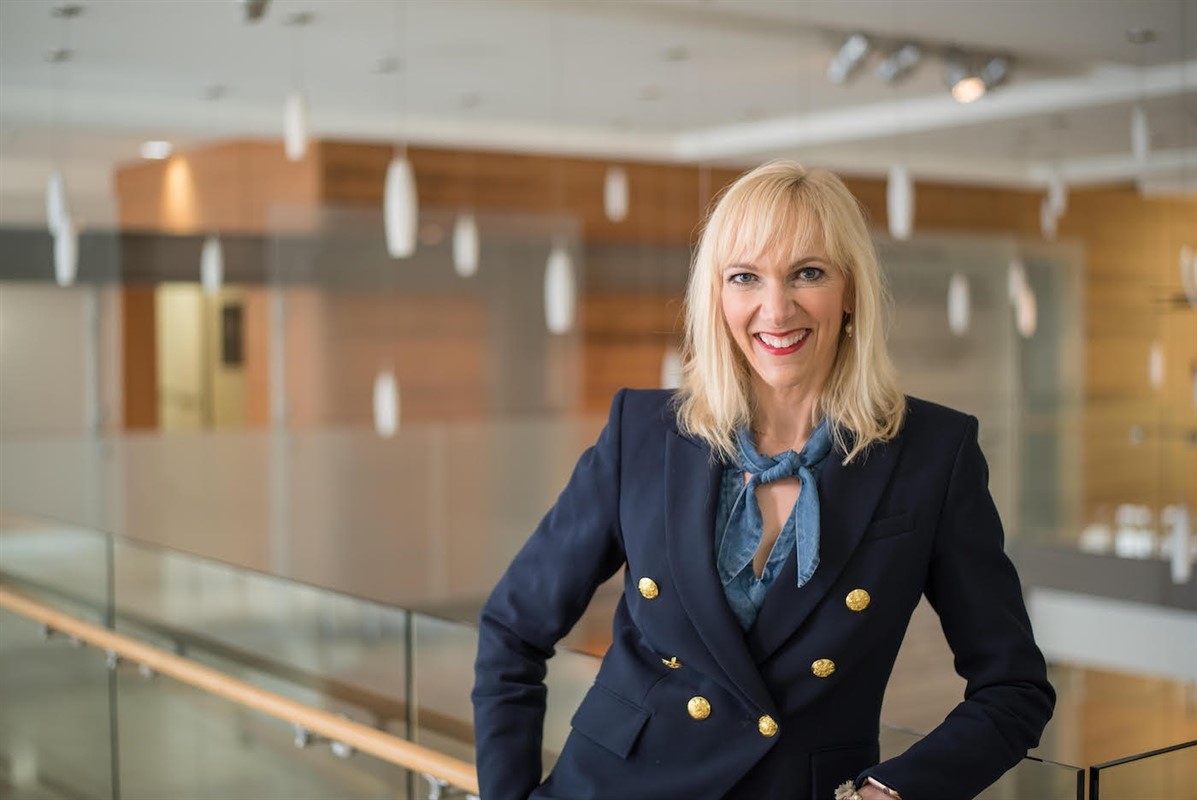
x,y
546,588
975,590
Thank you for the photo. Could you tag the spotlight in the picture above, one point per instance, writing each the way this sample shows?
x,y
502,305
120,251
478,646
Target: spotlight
x,y
899,63
968,85
848,58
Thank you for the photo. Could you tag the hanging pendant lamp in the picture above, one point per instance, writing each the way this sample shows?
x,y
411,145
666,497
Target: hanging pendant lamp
x,y
1155,365
386,404
1047,220
1026,313
899,205
560,291
400,208
1057,195
66,252
295,125
671,368
56,202
212,265
1140,133
465,245
615,194
959,310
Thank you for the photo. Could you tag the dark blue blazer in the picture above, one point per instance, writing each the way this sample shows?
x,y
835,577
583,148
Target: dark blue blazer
x,y
910,517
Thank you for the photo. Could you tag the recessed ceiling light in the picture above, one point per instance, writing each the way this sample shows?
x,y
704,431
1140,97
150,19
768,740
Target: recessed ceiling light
x,y
156,149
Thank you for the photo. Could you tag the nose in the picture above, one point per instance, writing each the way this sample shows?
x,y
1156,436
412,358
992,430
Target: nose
x,y
776,305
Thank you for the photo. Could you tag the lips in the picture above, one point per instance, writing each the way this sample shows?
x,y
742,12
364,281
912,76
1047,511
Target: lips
x,y
780,344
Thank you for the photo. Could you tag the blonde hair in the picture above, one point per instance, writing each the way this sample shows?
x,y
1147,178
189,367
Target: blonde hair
x,y
778,207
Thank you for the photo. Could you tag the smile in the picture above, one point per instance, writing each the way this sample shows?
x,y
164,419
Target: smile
x,y
782,344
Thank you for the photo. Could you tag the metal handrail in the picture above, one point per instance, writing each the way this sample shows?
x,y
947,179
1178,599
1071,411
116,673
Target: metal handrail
x,y
346,733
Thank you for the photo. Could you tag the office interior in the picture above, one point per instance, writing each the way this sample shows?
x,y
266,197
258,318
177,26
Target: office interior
x,y
307,309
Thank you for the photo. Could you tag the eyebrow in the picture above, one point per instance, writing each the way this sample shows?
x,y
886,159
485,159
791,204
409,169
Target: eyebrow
x,y
802,262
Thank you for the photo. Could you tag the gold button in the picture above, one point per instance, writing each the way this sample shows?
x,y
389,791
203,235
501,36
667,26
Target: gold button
x,y
699,707
857,599
672,663
823,667
648,588
767,726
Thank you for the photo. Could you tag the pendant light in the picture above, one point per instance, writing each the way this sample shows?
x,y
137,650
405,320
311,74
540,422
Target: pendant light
x,y
959,310
295,105
560,290
671,368
1026,313
212,265
1048,223
66,252
56,202
1140,133
386,403
465,245
1057,195
400,207
400,203
1155,365
900,202
615,194
295,125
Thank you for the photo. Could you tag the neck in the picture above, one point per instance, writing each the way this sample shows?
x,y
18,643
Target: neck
x,y
783,419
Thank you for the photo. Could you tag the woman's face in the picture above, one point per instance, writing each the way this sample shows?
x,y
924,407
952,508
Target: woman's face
x,y
785,315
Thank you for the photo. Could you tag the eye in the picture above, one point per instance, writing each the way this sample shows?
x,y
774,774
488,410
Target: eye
x,y
741,278
810,274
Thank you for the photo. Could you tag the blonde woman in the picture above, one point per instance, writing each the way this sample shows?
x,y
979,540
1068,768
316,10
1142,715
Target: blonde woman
x,y
778,519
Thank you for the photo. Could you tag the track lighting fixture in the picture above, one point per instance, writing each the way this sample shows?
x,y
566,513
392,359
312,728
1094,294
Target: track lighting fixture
x,y
899,63
848,58
968,85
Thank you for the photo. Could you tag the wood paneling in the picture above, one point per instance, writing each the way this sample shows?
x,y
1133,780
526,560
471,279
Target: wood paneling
x,y
139,358
245,187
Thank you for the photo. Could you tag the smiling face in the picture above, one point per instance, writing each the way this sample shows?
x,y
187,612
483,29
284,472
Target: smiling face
x,y
785,310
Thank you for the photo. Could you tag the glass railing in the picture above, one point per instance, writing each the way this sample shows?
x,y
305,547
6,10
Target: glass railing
x,y
76,726
1169,772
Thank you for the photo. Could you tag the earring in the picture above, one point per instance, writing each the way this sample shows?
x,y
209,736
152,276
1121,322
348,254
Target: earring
x,y
848,329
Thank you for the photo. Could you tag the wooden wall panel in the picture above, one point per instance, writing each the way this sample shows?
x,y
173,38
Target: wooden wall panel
x,y
139,358
231,187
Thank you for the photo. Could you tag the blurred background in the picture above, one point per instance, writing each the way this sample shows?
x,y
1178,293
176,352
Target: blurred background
x,y
307,309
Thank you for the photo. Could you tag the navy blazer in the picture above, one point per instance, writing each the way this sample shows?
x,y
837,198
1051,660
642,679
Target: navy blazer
x,y
794,702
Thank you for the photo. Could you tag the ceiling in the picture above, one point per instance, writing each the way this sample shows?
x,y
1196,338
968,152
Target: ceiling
x,y
721,81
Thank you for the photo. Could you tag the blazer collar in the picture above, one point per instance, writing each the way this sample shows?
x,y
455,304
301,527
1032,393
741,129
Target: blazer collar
x,y
848,497
692,479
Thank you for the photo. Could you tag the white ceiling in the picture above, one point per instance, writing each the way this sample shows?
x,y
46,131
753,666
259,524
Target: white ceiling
x,y
727,81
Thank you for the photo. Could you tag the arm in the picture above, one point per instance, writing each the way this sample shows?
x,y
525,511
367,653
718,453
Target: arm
x,y
1007,700
546,588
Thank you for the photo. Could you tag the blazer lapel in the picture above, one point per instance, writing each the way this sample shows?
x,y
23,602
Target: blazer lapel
x,y
691,493
848,495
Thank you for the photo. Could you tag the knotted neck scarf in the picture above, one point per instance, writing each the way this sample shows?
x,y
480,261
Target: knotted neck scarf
x,y
746,512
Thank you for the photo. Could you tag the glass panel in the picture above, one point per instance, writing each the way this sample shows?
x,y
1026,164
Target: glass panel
x,y
55,729
1167,773
180,742
1032,777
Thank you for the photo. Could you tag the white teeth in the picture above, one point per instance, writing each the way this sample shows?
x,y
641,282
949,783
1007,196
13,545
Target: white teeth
x,y
783,341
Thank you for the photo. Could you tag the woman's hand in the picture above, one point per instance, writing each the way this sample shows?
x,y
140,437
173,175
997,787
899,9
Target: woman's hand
x,y
871,792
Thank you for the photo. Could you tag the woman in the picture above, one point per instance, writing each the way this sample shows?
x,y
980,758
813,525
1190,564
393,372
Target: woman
x,y
778,520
